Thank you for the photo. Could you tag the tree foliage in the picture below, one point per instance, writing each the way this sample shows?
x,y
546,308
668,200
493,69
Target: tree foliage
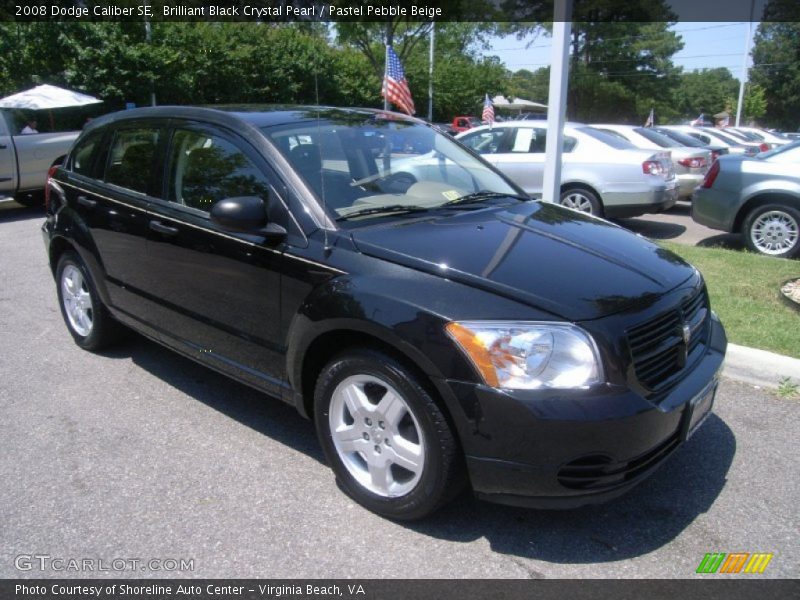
x,y
776,70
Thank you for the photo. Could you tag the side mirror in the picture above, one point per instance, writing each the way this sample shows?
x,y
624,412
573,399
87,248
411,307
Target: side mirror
x,y
246,214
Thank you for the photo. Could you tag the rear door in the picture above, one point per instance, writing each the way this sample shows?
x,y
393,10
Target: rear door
x,y
8,165
109,182
215,294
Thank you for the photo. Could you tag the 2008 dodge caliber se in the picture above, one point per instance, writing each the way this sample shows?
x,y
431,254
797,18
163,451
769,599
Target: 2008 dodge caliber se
x,y
440,327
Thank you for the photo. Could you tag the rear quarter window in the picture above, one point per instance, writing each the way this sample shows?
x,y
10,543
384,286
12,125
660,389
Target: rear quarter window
x,y
83,156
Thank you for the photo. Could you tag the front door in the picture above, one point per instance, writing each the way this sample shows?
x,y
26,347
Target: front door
x,y
215,293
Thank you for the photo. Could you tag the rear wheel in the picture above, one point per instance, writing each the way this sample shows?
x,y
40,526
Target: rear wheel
x,y
384,436
582,200
774,230
87,319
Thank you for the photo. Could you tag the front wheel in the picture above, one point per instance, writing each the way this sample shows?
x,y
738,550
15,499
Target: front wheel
x,y
384,436
87,320
774,230
581,200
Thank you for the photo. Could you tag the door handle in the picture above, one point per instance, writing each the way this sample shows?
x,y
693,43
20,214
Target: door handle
x,y
159,227
87,202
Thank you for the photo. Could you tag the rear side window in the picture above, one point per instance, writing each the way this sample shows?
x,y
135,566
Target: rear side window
x,y
618,143
84,153
533,140
130,160
205,168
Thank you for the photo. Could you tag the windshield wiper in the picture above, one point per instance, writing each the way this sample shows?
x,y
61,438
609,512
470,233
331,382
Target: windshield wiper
x,y
483,195
389,209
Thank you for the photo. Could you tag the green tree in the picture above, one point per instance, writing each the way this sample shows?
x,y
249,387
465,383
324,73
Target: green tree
x,y
776,70
706,91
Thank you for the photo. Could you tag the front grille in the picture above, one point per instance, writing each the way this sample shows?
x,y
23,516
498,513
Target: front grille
x,y
599,471
658,350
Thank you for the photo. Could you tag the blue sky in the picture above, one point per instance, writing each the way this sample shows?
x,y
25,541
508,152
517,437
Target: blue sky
x,y
706,45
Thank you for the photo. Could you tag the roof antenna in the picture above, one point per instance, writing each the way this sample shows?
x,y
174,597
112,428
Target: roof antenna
x,y
327,247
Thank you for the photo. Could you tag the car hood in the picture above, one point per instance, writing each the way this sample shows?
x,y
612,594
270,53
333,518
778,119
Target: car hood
x,y
569,264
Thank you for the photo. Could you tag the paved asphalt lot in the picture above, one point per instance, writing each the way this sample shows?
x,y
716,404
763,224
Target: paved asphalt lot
x,y
140,453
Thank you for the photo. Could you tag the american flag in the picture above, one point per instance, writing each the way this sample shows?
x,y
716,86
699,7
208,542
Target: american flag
x,y
697,121
651,119
488,111
395,86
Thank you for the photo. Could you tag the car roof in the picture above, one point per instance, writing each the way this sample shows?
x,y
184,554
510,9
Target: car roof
x,y
262,115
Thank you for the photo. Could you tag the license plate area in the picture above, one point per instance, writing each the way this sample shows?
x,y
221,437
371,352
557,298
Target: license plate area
x,y
699,408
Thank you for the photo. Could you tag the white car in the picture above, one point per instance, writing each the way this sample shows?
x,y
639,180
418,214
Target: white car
x,y
691,164
715,135
601,174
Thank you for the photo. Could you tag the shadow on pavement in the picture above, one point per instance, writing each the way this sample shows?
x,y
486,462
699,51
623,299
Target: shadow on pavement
x,y
656,230
648,517
266,415
11,211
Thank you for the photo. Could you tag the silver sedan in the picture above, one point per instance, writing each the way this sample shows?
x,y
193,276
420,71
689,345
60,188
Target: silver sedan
x,y
601,174
757,196
691,164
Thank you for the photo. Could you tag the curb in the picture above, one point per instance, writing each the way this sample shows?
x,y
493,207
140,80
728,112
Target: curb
x,y
759,367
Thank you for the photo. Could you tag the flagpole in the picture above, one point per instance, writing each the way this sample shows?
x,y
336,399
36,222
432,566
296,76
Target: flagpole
x,y
430,74
386,61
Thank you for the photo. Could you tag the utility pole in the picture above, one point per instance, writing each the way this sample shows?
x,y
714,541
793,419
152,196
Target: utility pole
x,y
389,41
148,34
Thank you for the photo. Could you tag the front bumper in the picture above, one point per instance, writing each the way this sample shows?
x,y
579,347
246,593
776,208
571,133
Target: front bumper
x,y
563,449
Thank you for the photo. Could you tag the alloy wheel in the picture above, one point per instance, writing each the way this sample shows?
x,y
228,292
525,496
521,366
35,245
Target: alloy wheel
x,y
77,300
774,232
577,201
376,435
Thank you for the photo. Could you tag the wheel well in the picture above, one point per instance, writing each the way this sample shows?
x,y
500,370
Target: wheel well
x,y
760,200
327,345
581,186
58,247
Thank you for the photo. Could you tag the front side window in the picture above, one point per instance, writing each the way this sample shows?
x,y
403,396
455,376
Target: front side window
x,y
205,168
130,159
484,142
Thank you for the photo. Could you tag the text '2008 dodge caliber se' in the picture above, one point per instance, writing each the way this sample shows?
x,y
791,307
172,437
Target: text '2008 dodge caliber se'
x,y
440,327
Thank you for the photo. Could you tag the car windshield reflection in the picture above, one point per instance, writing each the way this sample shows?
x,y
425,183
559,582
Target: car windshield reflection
x,y
360,166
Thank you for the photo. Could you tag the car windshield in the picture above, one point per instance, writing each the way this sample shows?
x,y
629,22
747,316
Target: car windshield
x,y
611,140
364,162
657,138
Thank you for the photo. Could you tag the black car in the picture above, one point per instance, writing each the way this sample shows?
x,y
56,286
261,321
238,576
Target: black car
x,y
439,326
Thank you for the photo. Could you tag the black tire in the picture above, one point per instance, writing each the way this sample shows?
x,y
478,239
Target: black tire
x,y
581,199
102,329
440,473
773,230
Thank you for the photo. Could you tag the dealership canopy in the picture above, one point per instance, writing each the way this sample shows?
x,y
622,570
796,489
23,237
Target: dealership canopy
x,y
44,97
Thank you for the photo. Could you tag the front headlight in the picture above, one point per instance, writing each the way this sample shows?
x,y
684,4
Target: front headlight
x,y
525,355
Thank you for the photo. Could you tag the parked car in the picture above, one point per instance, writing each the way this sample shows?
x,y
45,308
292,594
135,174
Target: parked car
x,y
437,334
710,135
601,174
26,158
762,136
717,149
757,196
691,163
